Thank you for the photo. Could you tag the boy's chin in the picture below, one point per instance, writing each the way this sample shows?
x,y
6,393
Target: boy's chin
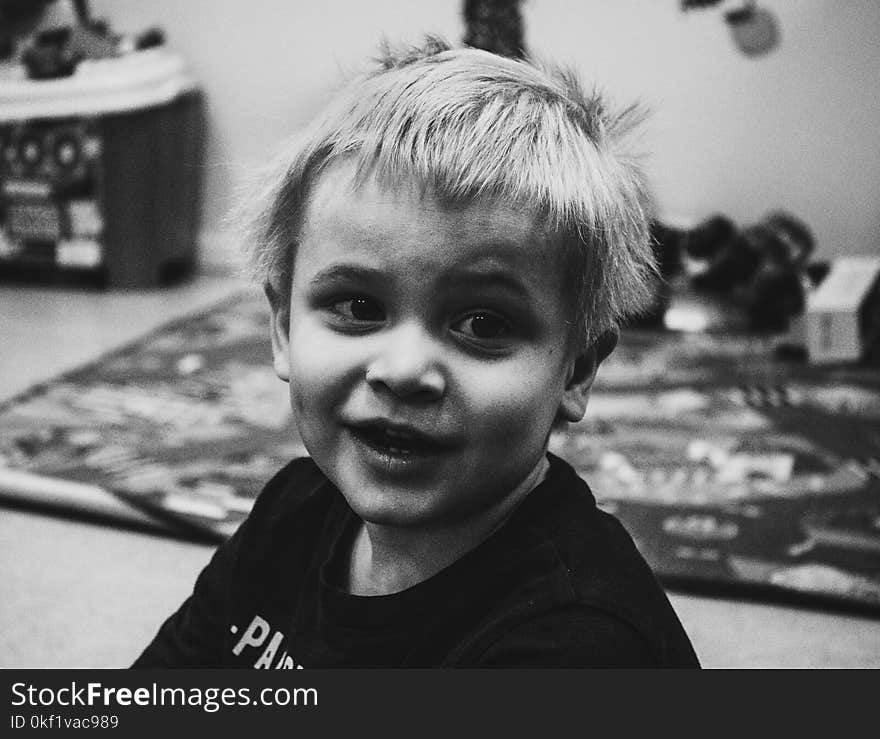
x,y
412,510
442,507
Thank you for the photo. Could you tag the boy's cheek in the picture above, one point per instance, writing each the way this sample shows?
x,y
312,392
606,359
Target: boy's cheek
x,y
515,386
505,408
319,380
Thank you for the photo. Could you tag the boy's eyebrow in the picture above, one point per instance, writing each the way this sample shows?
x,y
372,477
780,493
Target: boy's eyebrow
x,y
476,276
346,272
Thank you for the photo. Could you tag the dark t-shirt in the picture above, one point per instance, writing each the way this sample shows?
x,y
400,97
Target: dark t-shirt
x,y
560,584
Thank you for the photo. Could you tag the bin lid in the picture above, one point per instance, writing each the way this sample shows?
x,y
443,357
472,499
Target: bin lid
x,y
140,79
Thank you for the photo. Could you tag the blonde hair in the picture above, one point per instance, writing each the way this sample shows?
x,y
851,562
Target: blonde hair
x,y
468,124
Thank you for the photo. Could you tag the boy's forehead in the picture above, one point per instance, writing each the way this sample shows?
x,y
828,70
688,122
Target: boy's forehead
x,y
341,198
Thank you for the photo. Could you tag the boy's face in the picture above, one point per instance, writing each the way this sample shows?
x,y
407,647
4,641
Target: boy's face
x,y
426,348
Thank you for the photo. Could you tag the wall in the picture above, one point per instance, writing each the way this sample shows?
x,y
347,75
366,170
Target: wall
x,y
796,129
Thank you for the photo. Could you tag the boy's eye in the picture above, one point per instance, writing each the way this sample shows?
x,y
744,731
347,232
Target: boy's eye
x,y
483,326
360,309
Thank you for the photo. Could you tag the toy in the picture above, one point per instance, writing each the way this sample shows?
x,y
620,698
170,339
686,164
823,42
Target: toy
x,y
763,268
843,315
49,45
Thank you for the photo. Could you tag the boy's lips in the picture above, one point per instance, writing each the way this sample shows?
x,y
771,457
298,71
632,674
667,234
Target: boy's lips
x,y
399,440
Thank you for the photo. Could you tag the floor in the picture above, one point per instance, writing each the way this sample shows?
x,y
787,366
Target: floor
x,y
75,593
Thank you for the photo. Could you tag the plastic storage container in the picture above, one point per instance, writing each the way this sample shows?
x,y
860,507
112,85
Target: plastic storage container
x,y
100,172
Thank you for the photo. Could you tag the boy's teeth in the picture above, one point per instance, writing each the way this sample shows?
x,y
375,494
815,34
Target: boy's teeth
x,y
396,442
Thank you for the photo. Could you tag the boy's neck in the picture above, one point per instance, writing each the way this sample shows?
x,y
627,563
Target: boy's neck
x,y
388,559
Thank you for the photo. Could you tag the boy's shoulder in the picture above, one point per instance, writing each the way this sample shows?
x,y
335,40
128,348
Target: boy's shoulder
x,y
563,512
600,569
601,558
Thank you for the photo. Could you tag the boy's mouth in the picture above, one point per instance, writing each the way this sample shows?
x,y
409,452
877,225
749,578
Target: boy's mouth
x,y
397,441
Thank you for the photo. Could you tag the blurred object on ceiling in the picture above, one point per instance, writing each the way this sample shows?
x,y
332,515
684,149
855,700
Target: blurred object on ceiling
x,y
755,30
494,25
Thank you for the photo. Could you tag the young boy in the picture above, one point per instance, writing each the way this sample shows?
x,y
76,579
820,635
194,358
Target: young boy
x,y
447,252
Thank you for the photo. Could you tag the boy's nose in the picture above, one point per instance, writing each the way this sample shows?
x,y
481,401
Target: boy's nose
x,y
407,365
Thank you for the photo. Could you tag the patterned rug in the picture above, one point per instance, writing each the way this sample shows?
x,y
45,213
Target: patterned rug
x,y
733,471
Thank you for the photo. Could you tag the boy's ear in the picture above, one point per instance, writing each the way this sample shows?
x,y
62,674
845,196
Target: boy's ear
x,y
583,373
279,330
